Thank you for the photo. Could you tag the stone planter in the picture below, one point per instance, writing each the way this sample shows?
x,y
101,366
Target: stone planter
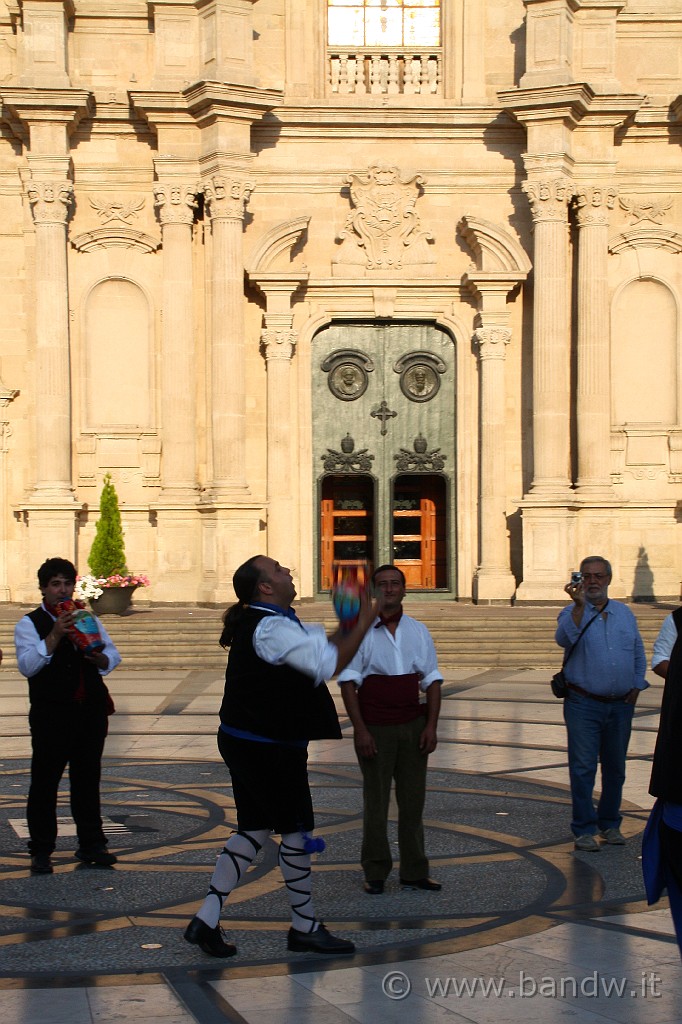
x,y
113,600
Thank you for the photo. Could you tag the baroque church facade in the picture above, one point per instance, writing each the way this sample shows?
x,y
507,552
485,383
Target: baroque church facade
x,y
344,279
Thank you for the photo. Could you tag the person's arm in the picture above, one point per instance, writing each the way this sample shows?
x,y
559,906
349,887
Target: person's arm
x,y
33,654
429,737
663,645
362,737
107,659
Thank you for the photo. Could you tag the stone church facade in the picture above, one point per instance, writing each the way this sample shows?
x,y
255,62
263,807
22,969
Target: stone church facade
x,y
394,279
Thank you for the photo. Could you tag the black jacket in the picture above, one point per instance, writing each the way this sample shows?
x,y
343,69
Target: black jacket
x,y
666,773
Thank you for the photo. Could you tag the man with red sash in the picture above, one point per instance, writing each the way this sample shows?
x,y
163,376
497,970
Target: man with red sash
x,y
394,727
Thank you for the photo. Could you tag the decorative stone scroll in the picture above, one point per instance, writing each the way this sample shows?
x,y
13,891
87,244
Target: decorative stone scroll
x,y
641,208
118,209
383,232
420,460
347,460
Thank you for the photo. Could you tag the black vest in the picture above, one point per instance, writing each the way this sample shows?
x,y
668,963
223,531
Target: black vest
x,y
273,700
57,683
666,772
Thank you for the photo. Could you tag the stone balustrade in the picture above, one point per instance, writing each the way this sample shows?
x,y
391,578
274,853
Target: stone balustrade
x,y
365,71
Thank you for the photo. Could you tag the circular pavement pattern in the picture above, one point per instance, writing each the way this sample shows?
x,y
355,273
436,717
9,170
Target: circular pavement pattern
x,y
500,845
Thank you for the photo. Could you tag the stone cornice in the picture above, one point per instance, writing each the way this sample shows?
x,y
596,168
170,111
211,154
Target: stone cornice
x,y
22,107
211,101
571,103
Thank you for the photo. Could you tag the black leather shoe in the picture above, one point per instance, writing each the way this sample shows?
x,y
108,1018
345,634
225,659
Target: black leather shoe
x,y
320,941
375,888
97,856
422,883
210,940
41,864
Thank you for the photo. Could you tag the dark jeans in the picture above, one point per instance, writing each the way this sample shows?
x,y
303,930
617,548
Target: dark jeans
x,y
59,736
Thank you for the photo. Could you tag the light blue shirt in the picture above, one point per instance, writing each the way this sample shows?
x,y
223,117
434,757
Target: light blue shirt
x,y
609,659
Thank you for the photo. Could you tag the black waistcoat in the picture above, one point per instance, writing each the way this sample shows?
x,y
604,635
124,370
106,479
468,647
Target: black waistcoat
x,y
273,700
57,683
666,772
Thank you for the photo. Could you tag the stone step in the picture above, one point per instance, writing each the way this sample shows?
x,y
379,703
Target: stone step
x,y
180,638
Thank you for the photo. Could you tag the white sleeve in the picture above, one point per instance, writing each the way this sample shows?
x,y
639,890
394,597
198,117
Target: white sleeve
x,y
665,641
282,641
32,653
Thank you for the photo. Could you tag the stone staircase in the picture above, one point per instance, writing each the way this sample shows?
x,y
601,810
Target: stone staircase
x,y
162,637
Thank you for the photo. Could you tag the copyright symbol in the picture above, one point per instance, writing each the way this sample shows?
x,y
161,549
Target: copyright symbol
x,y
396,985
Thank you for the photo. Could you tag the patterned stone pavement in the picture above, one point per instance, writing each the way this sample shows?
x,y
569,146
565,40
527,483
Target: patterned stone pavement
x,y
520,912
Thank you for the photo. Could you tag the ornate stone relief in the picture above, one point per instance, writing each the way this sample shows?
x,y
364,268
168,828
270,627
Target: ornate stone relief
x,y
348,371
117,209
641,208
175,204
50,201
383,233
116,215
549,199
647,238
593,203
226,198
420,460
419,375
347,460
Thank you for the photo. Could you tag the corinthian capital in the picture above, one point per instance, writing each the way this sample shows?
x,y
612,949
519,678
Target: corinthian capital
x,y
593,203
175,204
491,341
279,340
226,198
549,199
50,201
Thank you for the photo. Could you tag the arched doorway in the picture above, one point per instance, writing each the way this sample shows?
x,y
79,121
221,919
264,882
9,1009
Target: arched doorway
x,y
384,432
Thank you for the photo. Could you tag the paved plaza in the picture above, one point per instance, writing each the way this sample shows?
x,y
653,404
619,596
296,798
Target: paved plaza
x,y
524,928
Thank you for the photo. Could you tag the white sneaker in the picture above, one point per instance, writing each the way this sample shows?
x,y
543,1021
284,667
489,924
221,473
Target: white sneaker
x,y
587,843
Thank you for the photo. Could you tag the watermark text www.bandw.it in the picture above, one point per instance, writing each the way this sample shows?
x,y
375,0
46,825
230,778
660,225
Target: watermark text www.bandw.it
x,y
397,985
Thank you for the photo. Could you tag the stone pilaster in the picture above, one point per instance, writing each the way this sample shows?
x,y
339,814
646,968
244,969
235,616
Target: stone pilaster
x,y
493,580
226,199
50,203
593,399
175,204
549,200
279,342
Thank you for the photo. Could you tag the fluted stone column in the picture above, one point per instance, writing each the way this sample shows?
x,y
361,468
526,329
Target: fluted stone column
x,y
593,399
551,337
279,341
226,199
493,580
50,202
175,205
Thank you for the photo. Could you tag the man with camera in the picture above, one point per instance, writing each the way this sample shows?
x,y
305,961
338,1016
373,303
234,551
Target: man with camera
x,y
605,674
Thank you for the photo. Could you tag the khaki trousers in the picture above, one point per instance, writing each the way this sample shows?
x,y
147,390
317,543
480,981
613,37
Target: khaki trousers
x,y
398,758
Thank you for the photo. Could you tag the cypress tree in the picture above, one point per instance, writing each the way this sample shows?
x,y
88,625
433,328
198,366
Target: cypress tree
x,y
107,555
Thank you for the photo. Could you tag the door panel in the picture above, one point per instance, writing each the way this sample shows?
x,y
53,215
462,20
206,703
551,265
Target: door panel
x,y
384,409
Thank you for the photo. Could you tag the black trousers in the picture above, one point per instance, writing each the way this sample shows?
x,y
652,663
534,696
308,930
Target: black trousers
x,y
72,735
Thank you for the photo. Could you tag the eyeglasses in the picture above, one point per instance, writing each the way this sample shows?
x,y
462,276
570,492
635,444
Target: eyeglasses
x,y
599,576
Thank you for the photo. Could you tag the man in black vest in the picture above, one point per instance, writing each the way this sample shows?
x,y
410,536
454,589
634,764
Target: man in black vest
x,y
68,720
276,700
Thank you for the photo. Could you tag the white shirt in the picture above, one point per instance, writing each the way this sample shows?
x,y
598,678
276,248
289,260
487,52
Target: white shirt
x,y
32,653
283,641
665,641
380,653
